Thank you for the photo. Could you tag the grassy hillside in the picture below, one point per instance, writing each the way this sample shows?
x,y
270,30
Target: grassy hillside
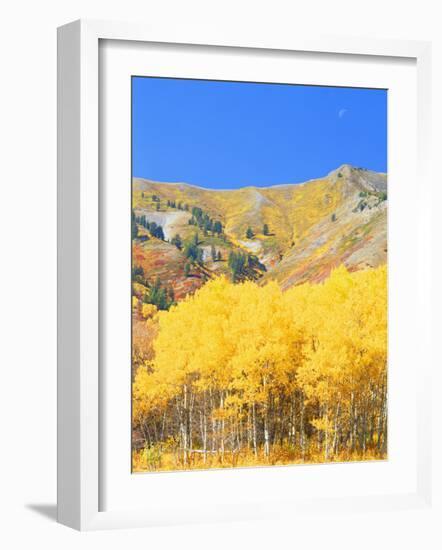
x,y
290,233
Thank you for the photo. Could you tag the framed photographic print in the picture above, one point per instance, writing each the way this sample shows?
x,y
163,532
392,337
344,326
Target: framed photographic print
x,y
259,310
242,294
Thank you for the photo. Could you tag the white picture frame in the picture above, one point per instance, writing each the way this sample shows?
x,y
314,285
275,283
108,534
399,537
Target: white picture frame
x,y
79,293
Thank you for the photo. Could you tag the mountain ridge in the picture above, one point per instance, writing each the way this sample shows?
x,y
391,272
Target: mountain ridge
x,y
313,226
341,168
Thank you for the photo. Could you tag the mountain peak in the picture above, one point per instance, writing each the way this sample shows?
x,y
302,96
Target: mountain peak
x,y
344,170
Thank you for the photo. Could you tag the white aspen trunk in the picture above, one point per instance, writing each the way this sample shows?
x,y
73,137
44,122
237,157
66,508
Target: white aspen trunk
x,y
354,428
278,422
302,435
255,450
326,433
381,417
145,431
363,435
239,433
318,432
292,435
266,434
372,412
350,434
249,428
190,418
213,447
266,423
385,430
204,429
335,441
205,438
222,425
184,427
163,425
202,426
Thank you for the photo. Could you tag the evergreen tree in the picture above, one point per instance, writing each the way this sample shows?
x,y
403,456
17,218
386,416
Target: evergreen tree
x,y
162,302
171,295
154,293
249,233
191,251
197,212
157,296
134,229
158,205
187,269
199,255
265,229
217,227
237,263
253,261
159,234
218,256
177,241
137,271
213,253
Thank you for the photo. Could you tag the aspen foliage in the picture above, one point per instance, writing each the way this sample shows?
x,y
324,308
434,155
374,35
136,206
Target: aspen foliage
x,y
148,311
242,374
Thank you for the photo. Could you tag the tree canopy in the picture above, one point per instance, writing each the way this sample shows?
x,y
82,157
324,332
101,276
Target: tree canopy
x,y
248,372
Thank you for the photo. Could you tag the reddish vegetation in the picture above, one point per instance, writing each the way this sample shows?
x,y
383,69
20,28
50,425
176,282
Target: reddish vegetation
x,y
164,261
319,269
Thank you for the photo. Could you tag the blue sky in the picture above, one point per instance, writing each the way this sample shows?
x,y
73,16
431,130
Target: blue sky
x,y
226,135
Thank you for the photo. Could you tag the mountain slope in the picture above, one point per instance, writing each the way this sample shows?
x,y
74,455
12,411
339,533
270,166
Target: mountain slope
x,y
313,227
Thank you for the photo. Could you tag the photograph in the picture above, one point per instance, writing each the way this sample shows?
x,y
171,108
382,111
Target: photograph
x,y
259,249
231,218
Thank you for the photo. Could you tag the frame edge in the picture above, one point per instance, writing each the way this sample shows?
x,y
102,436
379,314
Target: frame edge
x,y
77,294
68,276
